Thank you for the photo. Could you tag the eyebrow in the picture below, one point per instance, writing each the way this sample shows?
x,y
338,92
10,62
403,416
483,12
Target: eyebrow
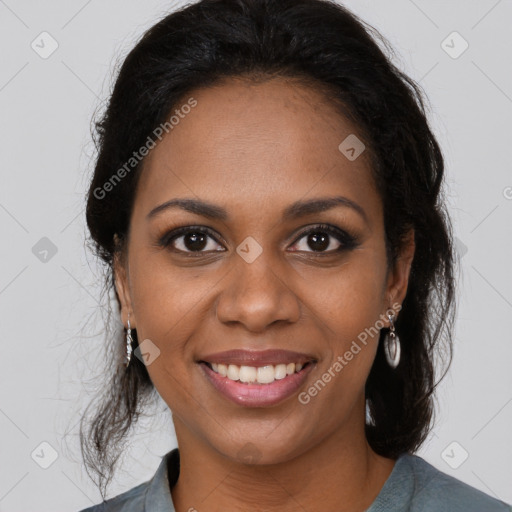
x,y
294,211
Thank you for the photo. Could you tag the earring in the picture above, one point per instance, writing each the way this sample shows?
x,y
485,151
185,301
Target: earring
x,y
369,418
392,345
129,341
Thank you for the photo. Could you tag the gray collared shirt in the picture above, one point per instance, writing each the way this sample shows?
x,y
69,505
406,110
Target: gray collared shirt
x,y
413,486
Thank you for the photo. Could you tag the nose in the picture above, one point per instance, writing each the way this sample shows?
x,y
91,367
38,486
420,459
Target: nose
x,y
257,295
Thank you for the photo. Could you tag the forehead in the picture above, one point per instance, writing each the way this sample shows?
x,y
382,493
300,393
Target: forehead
x,y
248,144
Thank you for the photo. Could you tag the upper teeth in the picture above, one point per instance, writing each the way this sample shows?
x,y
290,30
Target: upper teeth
x,y
262,375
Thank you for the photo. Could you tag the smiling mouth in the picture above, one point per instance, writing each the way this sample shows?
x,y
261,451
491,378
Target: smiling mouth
x,y
265,374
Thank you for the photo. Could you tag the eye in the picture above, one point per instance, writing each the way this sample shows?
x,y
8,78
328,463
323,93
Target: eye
x,y
320,239
191,239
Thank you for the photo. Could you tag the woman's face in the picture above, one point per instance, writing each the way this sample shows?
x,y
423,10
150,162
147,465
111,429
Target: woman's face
x,y
258,280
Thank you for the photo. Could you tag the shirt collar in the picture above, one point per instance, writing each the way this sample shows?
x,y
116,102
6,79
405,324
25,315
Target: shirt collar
x,y
158,496
397,490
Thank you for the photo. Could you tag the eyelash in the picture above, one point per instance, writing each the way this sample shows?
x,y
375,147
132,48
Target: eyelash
x,y
347,240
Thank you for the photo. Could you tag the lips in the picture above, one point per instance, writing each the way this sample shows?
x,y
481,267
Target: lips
x,y
257,358
273,391
256,395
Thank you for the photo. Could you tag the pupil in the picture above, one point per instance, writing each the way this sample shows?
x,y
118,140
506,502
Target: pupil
x,y
320,239
195,241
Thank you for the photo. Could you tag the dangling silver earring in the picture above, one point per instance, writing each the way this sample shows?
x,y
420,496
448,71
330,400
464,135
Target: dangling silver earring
x,y
392,344
369,418
129,341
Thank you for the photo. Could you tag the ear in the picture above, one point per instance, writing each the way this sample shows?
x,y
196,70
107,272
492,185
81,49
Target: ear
x,y
398,278
121,281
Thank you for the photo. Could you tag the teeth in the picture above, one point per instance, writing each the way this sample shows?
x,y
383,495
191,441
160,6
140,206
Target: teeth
x,y
247,374
261,375
280,371
265,374
233,372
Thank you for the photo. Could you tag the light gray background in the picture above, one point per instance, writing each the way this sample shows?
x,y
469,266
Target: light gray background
x,y
50,318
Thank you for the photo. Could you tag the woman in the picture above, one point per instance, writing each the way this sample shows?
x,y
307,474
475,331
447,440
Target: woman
x,y
267,200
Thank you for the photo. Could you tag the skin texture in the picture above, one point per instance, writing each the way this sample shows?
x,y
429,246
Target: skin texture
x,y
255,148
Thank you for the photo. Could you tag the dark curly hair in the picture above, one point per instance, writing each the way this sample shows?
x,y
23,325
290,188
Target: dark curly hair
x,y
320,43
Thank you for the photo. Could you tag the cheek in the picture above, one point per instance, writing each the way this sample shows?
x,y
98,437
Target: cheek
x,y
347,307
350,298
167,303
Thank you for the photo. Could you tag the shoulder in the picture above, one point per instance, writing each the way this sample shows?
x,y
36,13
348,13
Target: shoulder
x,y
437,491
129,501
153,495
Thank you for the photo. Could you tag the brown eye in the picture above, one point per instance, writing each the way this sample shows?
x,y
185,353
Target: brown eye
x,y
194,241
191,240
324,239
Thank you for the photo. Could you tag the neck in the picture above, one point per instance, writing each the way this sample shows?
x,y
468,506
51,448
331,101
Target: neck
x,y
341,473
